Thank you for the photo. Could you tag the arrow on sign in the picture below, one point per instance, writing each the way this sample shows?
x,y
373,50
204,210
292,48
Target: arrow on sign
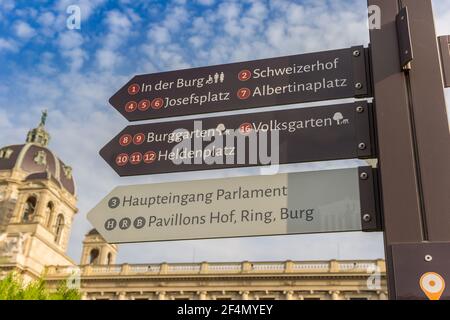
x,y
343,131
300,78
293,203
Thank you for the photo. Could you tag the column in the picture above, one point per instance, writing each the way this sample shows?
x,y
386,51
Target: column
x,y
161,295
336,295
289,295
245,295
40,210
202,295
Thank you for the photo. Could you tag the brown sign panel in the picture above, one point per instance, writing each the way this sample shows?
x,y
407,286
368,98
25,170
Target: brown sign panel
x,y
444,49
420,271
333,132
300,78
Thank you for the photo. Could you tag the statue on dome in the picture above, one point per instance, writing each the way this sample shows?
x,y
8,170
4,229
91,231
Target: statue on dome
x,y
43,118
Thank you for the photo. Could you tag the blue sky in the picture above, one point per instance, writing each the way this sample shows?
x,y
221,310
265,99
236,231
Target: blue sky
x,y
72,73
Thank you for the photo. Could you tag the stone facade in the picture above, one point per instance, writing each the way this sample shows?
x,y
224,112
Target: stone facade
x,y
37,206
291,280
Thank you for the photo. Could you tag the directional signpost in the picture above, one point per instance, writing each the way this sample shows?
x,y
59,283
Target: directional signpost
x,y
404,69
343,131
293,203
300,78
413,131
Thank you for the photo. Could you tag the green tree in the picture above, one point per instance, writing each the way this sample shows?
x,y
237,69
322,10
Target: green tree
x,y
12,287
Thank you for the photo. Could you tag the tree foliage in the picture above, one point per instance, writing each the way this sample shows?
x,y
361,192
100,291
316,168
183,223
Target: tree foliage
x,y
12,287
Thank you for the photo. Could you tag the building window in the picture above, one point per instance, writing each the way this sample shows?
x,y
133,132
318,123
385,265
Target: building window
x,y
59,228
93,256
109,258
29,210
6,153
49,214
67,171
40,158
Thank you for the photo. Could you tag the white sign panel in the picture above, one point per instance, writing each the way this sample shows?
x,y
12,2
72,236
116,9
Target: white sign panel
x,y
292,203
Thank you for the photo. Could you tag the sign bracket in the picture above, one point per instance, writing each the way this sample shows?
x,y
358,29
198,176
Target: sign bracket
x,y
404,39
360,72
369,195
366,140
444,48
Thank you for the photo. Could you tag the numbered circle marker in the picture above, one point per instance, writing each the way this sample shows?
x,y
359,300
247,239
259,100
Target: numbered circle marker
x,y
143,105
150,157
244,75
125,223
157,103
125,140
113,202
139,222
122,159
134,89
433,285
138,138
110,224
243,93
131,106
245,128
136,158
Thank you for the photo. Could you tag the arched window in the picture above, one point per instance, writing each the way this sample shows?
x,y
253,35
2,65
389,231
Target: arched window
x,y
93,258
109,258
49,214
59,228
29,209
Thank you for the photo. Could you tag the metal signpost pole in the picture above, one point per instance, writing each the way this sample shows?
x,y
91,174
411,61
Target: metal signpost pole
x,y
414,149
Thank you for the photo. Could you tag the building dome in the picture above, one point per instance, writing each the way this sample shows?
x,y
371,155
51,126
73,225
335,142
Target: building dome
x,y
36,161
93,232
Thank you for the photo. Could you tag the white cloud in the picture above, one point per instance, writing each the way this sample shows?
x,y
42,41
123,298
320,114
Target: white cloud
x,y
119,28
46,19
196,41
70,44
87,7
47,65
24,30
175,18
159,34
8,45
70,40
7,5
107,59
206,2
118,21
